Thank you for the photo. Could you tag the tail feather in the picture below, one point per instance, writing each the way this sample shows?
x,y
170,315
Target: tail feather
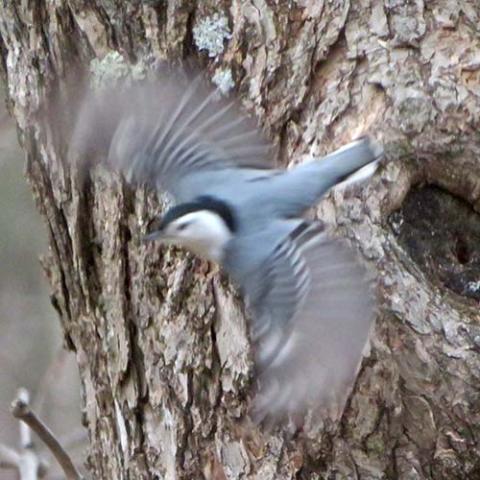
x,y
355,161
304,185
360,175
374,153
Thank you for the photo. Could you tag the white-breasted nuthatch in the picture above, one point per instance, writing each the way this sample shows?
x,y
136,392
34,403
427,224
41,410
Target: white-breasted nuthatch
x,y
311,304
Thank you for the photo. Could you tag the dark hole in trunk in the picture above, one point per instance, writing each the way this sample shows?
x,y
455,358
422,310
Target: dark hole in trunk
x,y
441,232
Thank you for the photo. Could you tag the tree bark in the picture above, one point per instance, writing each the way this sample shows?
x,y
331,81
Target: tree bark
x,y
160,337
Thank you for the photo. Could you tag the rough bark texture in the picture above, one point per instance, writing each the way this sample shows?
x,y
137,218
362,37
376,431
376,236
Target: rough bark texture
x,y
160,338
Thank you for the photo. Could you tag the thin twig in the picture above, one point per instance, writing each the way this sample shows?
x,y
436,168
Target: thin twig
x,y
29,465
25,432
9,458
21,410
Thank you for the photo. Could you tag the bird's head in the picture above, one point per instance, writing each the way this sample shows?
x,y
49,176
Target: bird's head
x,y
204,227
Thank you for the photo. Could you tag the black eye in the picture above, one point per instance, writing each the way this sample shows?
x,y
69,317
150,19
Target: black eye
x,y
183,226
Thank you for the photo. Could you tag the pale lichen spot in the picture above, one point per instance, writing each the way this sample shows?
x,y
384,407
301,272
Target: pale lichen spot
x,y
112,68
223,80
210,34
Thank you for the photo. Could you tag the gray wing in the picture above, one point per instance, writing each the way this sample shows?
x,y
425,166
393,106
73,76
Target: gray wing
x,y
166,132
312,307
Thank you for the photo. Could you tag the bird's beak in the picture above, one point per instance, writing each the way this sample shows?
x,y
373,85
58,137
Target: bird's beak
x,y
157,235
155,231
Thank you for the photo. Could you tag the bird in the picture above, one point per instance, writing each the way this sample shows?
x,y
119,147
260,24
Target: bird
x,y
309,298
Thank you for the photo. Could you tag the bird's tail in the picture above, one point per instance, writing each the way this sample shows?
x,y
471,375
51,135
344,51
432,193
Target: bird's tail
x,y
303,186
354,162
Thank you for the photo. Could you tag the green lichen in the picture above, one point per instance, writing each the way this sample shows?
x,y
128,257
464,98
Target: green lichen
x,y
224,80
112,68
210,34
376,445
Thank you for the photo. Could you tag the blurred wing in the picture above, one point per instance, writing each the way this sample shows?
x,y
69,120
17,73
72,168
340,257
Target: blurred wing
x,y
166,131
313,308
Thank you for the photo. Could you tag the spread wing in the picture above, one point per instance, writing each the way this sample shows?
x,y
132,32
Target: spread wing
x,y
165,132
312,308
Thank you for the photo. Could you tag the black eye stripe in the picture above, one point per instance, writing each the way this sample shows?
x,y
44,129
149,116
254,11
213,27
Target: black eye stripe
x,y
183,226
204,202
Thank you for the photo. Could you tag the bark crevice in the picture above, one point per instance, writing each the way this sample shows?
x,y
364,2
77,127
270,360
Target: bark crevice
x,y
166,350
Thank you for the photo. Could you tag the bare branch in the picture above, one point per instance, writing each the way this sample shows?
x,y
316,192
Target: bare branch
x,y
9,458
21,410
29,465
25,433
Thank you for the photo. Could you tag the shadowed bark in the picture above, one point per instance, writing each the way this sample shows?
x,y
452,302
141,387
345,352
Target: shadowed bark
x,y
160,337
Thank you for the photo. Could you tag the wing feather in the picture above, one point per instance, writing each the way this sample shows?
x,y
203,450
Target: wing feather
x,y
312,324
164,132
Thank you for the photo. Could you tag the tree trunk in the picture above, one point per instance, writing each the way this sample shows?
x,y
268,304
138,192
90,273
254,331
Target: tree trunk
x,y
160,337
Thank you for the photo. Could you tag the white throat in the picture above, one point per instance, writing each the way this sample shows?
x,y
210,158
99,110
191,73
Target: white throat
x,y
206,235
